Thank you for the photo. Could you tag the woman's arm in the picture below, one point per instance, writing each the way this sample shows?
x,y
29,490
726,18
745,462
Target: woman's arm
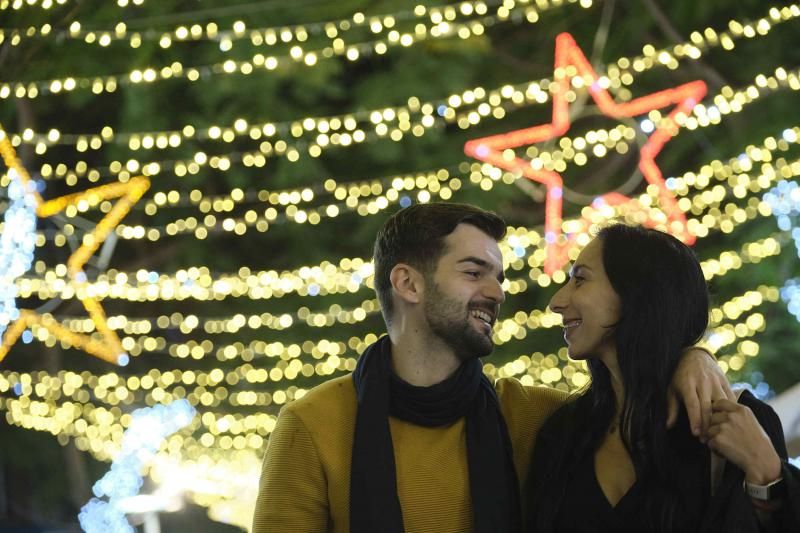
x,y
696,382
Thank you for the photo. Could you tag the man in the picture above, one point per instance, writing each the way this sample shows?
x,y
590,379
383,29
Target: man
x,y
417,439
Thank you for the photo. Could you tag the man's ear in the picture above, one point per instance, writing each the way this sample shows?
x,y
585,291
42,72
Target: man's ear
x,y
407,282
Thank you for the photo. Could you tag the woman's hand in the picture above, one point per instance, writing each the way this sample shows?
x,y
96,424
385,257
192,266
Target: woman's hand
x,y
735,433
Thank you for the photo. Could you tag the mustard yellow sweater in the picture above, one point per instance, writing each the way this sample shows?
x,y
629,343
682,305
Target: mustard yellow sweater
x,y
305,481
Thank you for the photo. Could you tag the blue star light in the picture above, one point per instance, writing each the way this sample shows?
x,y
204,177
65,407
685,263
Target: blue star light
x,y
784,199
140,442
17,244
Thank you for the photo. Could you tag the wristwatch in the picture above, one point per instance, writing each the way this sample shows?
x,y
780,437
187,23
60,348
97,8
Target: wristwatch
x,y
767,492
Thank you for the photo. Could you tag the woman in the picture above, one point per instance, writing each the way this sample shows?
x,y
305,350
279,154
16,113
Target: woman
x,y
607,461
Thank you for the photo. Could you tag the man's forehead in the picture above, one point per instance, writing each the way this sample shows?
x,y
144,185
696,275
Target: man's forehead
x,y
468,240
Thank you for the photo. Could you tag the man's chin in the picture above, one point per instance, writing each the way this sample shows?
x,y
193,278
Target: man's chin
x,y
481,348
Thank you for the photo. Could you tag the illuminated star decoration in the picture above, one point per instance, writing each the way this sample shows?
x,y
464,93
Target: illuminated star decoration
x,y
140,442
784,200
17,245
106,344
573,69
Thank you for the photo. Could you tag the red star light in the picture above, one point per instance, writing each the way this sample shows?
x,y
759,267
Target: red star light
x,y
571,64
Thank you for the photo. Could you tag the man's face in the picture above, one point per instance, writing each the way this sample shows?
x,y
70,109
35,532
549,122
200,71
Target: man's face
x,y
464,293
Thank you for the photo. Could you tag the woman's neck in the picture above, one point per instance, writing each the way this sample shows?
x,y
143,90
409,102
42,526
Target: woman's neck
x,y
618,389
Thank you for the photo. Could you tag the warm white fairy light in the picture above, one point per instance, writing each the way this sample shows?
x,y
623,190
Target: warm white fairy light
x,y
432,19
17,5
359,130
259,62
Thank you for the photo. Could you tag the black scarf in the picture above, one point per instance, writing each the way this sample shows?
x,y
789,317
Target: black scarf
x,y
374,504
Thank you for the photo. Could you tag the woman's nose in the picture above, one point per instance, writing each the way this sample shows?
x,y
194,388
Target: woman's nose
x,y
559,301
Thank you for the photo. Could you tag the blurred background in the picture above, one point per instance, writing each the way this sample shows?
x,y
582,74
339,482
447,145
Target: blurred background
x,y
191,188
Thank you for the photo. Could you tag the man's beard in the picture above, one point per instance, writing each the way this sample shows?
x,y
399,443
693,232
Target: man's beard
x,y
450,321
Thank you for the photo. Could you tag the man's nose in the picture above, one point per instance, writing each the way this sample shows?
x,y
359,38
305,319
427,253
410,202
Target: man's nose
x,y
494,291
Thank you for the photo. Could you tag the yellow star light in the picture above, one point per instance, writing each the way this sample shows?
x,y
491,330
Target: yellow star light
x,y
106,344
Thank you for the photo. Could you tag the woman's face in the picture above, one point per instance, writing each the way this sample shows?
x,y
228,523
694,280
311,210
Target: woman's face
x,y
589,307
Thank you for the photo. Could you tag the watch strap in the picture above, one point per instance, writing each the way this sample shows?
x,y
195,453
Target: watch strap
x,y
766,492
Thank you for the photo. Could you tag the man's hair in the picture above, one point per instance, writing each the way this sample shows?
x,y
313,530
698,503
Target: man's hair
x,y
415,236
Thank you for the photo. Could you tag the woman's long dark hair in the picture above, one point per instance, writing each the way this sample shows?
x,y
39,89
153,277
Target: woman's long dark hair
x,y
664,309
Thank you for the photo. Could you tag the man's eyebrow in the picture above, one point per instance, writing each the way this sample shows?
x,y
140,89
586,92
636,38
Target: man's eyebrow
x,y
483,264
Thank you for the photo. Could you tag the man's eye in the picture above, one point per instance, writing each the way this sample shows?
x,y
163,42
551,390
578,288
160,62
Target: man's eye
x,y
473,273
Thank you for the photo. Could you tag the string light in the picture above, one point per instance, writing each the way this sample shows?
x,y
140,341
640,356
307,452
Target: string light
x,y
448,106
205,472
441,18
753,252
328,279
701,41
21,4
359,129
530,91
18,5
308,58
575,150
247,432
692,49
329,353
357,197
353,193
335,314
790,293
153,387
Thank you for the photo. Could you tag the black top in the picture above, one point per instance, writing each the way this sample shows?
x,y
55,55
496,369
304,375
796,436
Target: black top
x,y
595,514
584,507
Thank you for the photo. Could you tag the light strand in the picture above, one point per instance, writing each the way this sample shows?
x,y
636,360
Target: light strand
x,y
268,37
592,144
308,58
17,5
350,274
114,390
447,108
328,353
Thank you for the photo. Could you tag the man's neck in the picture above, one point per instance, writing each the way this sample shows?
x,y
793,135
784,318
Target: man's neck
x,y
421,361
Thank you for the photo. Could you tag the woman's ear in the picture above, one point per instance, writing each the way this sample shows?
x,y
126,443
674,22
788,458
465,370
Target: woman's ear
x,y
407,282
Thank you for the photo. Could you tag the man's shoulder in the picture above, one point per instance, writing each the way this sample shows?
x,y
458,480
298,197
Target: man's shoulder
x,y
330,400
514,389
527,399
